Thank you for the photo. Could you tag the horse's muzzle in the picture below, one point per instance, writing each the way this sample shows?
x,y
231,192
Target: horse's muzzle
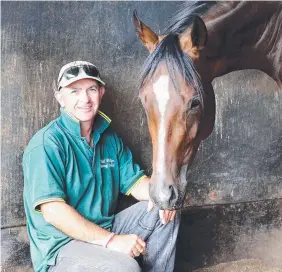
x,y
166,197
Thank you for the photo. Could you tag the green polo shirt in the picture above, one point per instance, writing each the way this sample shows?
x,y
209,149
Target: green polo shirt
x,y
60,165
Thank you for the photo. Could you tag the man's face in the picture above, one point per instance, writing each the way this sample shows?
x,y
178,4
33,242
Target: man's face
x,y
81,98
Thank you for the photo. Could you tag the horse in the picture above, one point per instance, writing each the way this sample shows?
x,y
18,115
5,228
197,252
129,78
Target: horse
x,y
204,40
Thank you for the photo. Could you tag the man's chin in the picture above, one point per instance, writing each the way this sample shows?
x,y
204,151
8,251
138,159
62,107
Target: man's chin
x,y
85,117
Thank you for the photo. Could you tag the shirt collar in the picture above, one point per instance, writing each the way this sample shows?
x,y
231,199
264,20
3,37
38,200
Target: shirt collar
x,y
72,124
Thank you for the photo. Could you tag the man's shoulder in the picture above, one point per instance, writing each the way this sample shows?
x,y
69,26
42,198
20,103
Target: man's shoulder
x,y
47,135
111,138
110,134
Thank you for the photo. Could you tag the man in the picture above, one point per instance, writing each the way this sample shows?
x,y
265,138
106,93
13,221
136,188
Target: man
x,y
74,169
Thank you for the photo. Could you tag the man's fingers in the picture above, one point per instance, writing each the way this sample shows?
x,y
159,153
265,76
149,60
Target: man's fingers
x,y
141,242
172,215
140,248
161,214
135,252
131,254
167,216
150,205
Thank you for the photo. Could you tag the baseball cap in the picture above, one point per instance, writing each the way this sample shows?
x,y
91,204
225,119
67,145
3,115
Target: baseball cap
x,y
77,70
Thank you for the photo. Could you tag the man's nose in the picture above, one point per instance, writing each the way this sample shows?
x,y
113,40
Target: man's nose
x,y
84,96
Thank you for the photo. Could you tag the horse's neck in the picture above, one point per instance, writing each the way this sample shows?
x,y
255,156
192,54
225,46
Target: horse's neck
x,y
245,35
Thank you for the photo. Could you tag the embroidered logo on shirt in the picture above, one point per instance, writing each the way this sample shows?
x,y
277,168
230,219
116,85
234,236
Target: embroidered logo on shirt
x,y
107,163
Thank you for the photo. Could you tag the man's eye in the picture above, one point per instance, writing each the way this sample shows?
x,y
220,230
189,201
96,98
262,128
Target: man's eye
x,y
93,89
73,91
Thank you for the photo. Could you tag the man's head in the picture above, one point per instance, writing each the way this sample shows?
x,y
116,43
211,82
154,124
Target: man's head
x,y
80,90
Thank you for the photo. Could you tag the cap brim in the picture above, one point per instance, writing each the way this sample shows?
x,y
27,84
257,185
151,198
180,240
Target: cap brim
x,y
68,82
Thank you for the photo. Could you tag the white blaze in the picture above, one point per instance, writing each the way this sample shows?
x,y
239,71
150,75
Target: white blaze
x,y
162,96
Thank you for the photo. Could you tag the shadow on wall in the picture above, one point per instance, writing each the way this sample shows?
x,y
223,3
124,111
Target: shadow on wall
x,y
15,254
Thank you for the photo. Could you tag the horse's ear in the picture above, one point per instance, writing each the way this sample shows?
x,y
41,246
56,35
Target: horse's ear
x,y
148,37
199,34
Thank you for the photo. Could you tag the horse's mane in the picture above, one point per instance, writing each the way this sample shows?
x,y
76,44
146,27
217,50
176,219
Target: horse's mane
x,y
184,17
169,51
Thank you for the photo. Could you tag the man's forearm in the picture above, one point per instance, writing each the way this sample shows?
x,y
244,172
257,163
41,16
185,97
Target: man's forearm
x,y
68,220
141,190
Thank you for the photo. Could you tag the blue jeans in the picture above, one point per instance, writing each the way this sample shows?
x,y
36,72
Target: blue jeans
x,y
160,241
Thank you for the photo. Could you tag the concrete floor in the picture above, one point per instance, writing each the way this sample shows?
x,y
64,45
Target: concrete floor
x,y
250,265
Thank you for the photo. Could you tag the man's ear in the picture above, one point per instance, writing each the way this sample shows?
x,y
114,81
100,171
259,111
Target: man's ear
x,y
102,92
59,97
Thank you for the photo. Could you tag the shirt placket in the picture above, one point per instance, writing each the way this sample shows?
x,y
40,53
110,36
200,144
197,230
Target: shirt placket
x,y
90,153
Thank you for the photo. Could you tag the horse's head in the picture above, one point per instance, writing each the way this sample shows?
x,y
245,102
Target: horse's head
x,y
179,117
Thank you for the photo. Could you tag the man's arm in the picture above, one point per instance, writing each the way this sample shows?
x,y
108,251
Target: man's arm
x,y
68,220
141,192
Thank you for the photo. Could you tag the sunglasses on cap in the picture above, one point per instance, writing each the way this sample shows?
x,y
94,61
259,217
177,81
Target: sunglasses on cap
x,y
73,71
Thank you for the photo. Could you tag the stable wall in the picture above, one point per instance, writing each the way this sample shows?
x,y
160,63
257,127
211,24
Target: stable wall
x,y
240,162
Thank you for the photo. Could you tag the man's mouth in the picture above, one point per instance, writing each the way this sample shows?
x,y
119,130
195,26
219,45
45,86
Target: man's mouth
x,y
85,108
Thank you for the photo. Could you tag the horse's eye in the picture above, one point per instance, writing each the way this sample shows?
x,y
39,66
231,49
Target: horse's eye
x,y
195,103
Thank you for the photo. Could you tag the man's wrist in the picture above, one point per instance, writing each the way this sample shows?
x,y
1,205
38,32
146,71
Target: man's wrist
x,y
103,242
109,239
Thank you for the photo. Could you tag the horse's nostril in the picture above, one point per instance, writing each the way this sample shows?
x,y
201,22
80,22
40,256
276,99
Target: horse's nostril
x,y
168,194
172,193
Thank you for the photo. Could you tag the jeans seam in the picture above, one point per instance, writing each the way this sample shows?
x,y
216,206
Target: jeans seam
x,y
170,243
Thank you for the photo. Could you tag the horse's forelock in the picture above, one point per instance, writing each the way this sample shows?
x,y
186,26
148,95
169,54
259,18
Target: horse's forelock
x,y
170,53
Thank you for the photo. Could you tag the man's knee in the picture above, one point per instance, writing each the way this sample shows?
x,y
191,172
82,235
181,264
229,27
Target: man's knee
x,y
131,266
123,264
148,220
87,265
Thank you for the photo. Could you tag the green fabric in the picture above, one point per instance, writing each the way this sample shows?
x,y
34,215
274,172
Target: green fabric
x,y
59,164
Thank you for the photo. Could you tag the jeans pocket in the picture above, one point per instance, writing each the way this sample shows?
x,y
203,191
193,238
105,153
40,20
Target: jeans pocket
x,y
148,220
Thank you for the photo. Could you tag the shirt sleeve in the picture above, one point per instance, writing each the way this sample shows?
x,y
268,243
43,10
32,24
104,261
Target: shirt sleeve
x,y
130,172
44,175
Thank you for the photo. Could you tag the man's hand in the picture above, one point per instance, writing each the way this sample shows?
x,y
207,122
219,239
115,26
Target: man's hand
x,y
165,215
130,244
